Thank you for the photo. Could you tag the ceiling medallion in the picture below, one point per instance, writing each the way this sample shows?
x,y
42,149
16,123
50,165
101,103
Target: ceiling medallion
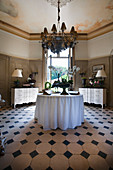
x,y
62,2
58,41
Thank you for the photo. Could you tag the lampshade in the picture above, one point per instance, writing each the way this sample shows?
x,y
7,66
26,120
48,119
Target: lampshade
x,y
101,73
17,73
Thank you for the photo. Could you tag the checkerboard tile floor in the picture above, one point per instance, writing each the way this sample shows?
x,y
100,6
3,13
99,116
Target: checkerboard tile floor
x,y
30,147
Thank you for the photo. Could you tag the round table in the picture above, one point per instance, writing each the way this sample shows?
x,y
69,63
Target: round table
x,y
59,111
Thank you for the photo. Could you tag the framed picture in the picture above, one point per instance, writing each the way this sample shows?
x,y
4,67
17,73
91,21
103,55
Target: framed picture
x,y
97,67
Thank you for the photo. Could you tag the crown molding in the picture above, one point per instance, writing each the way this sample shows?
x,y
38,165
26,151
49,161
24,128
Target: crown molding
x,y
36,36
100,31
13,30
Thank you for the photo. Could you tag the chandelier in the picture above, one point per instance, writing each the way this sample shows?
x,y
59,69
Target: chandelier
x,y
58,41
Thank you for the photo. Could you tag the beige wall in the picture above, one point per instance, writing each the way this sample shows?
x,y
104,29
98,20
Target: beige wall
x,y
4,77
86,66
13,45
100,46
8,65
36,66
81,50
88,53
35,50
83,64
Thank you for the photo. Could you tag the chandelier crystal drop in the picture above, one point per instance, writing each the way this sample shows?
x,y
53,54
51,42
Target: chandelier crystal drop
x,y
58,41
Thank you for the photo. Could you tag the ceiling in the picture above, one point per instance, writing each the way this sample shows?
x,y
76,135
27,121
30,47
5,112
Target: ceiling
x,y
33,15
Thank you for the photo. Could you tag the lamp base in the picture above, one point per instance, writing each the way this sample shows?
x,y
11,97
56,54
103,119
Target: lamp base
x,y
17,83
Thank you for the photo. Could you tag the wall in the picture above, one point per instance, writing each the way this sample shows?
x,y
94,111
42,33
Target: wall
x,y
88,53
105,62
4,77
8,65
35,50
83,64
100,46
87,65
13,45
36,66
15,52
81,50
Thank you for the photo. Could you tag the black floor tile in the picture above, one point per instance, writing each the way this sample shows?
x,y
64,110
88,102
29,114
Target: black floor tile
x,y
100,133
34,153
16,133
49,168
109,142
68,154
40,133
52,134
17,153
89,134
70,168
50,154
10,141
64,133
28,133
37,142
85,154
28,168
51,142
80,142
77,134
102,154
23,141
66,142
94,142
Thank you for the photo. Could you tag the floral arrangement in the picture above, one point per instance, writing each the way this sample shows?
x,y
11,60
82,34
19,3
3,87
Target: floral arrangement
x,y
95,82
73,71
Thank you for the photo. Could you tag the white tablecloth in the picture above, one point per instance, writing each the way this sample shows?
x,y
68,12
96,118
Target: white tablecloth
x,y
63,111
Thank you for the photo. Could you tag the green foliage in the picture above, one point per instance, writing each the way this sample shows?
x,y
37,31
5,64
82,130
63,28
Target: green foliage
x,y
47,85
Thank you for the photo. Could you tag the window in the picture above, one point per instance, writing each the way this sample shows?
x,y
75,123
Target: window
x,y
61,62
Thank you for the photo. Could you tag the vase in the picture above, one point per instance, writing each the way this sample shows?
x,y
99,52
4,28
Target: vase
x,y
84,82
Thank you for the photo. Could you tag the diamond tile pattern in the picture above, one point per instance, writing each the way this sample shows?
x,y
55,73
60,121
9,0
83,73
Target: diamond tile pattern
x,y
102,154
85,154
80,142
33,154
66,142
68,154
17,153
52,142
23,141
50,154
94,142
94,139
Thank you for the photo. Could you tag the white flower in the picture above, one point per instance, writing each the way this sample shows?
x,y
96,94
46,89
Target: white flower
x,y
77,69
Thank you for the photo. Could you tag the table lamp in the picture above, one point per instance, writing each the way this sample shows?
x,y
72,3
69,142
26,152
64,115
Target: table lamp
x,y
17,73
101,74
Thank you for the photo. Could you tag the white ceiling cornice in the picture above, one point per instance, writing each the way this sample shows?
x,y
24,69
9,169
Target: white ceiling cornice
x,y
36,36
